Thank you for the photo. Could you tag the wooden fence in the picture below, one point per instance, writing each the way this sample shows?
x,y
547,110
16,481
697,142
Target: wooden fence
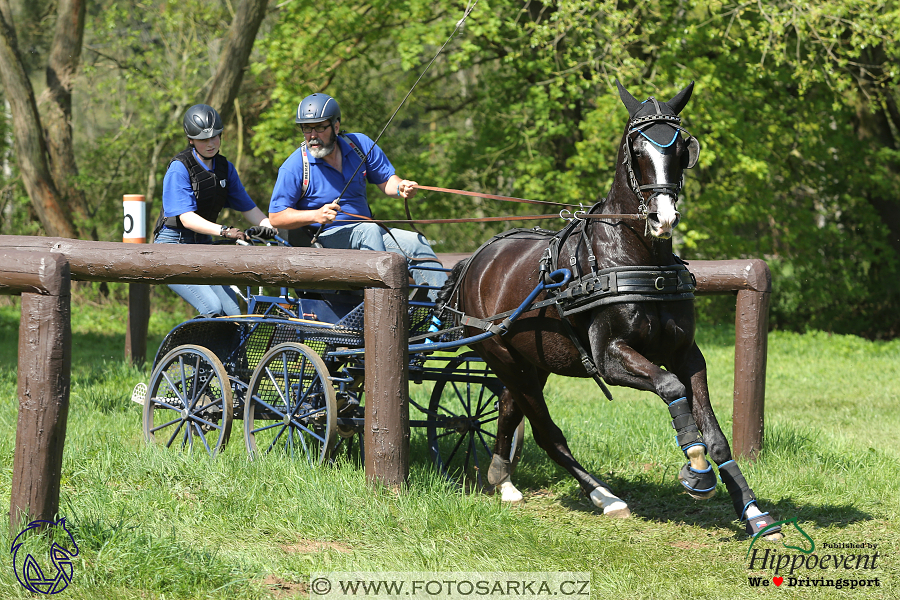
x,y
40,269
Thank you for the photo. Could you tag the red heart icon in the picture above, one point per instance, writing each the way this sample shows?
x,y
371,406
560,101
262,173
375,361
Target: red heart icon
x,y
778,580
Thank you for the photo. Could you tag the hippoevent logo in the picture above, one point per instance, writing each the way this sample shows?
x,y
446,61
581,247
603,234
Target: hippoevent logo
x,y
39,538
804,567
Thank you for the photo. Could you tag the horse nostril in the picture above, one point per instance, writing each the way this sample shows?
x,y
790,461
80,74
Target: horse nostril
x,y
654,217
677,219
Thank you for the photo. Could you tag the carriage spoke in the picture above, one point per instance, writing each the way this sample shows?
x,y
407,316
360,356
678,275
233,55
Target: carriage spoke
x,y
172,422
191,382
203,437
291,385
175,433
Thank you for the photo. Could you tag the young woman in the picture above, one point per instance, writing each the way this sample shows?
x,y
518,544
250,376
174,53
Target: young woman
x,y
199,183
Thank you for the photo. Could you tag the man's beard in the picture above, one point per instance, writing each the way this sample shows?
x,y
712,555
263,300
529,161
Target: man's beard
x,y
321,149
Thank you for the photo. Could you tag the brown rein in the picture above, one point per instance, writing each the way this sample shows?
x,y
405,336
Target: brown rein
x,y
578,214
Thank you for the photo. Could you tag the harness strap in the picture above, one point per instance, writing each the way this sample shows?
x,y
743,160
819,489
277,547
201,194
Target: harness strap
x,y
303,147
586,359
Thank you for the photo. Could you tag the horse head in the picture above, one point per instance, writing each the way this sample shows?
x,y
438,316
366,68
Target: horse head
x,y
654,155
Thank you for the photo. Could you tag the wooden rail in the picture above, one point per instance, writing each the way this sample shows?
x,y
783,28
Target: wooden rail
x,y
383,275
751,281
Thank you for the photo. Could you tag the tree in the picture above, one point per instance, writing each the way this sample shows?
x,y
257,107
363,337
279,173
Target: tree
x,y
46,147
46,167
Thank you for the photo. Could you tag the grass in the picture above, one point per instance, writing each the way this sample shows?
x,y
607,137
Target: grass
x,y
156,524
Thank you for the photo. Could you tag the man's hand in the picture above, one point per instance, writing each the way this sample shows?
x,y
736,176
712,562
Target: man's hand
x,y
233,233
406,188
327,214
266,233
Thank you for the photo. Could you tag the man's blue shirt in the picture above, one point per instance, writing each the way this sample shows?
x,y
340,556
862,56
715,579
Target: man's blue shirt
x,y
326,184
178,195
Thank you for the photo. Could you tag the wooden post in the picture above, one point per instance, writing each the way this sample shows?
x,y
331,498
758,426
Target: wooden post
x,y
45,355
386,387
752,281
135,232
751,346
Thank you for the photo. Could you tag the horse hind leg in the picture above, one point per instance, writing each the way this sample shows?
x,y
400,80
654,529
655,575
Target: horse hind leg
x,y
546,434
500,471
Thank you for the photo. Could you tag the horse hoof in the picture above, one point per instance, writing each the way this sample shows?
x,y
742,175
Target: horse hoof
x,y
612,506
699,485
774,537
509,493
617,513
699,496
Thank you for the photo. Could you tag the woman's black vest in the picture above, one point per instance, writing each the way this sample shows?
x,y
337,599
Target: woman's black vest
x,y
210,189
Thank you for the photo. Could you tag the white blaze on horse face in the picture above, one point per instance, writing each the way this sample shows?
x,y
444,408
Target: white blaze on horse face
x,y
666,214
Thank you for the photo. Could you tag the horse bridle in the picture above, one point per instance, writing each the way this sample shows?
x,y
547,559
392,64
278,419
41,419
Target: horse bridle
x,y
637,125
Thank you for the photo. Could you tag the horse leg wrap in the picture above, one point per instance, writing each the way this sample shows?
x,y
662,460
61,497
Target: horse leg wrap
x,y
688,435
498,472
686,432
741,494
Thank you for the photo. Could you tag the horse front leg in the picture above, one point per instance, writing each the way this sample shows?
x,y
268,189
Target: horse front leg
x,y
621,364
742,497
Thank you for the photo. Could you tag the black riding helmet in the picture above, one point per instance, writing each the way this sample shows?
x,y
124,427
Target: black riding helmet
x,y
202,122
318,107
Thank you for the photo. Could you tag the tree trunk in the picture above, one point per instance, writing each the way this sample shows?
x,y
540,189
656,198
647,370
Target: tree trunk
x,y
65,55
31,150
234,58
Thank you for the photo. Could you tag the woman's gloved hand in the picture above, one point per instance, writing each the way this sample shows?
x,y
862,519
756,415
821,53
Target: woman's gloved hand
x,y
266,233
233,233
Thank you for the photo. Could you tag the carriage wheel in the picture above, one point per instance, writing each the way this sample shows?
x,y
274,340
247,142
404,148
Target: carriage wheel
x,y
291,407
189,401
463,422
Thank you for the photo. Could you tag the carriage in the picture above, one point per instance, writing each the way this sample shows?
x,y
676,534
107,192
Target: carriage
x,y
290,373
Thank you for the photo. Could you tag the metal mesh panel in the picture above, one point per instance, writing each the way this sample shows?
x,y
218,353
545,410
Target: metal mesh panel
x,y
354,320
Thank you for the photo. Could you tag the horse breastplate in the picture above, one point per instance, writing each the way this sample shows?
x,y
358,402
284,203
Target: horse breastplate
x,y
627,284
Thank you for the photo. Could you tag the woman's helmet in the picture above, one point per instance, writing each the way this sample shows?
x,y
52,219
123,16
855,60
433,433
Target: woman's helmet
x,y
202,122
318,107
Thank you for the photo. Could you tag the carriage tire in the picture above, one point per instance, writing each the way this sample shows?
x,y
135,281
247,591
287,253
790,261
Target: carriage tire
x,y
189,401
291,407
464,453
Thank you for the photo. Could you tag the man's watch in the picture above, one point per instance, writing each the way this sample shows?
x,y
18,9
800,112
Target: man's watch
x,y
222,231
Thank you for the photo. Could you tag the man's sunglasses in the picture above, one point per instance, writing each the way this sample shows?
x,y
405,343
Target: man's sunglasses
x,y
317,128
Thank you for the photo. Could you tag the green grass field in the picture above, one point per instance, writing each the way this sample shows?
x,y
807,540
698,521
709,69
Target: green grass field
x,y
152,523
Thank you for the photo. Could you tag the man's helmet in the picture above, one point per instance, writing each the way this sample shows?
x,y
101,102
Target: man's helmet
x,y
318,107
202,122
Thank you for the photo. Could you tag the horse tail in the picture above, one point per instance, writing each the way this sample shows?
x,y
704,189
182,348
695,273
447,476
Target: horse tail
x,y
446,293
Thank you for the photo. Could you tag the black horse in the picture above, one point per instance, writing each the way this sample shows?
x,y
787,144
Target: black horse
x,y
628,312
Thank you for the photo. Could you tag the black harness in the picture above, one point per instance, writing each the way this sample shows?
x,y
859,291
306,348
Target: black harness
x,y
586,291
210,189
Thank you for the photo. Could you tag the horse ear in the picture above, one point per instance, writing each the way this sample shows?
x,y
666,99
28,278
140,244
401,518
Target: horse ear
x,y
630,102
680,100
693,153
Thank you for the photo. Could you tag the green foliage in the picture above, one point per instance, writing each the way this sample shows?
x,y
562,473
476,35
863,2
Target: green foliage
x,y
795,107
